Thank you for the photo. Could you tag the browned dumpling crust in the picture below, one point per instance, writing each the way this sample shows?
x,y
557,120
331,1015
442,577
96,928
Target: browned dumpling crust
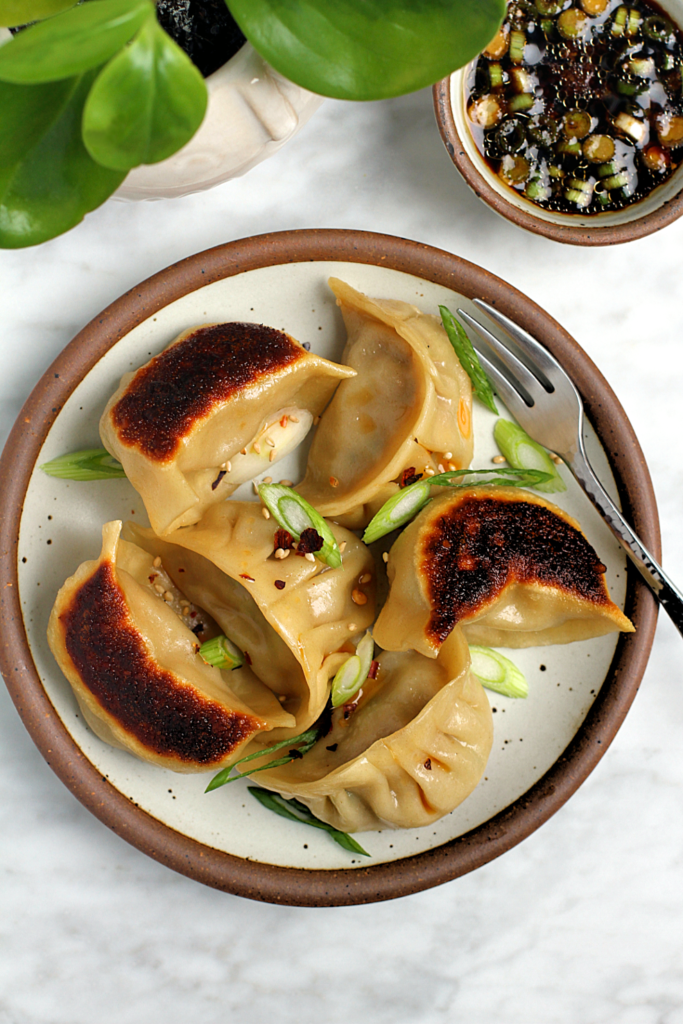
x,y
132,659
508,567
178,389
219,406
109,654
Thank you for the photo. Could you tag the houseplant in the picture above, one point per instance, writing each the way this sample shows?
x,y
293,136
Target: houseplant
x,y
98,87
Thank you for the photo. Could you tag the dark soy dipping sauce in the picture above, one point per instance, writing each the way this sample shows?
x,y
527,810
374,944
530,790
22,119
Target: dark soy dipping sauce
x,y
579,106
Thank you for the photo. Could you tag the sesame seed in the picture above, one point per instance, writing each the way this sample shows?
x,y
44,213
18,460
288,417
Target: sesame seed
x,y
158,587
157,562
358,597
286,483
440,468
342,547
185,609
267,479
294,419
385,556
282,697
272,456
265,513
255,486
286,553
309,556
227,466
451,465
243,452
352,627
279,552
168,596
448,456
257,447
556,459
270,442
429,472
498,459
365,578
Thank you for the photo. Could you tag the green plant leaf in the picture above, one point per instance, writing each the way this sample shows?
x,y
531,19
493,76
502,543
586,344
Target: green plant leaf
x,y
367,49
146,103
21,12
73,42
89,464
48,182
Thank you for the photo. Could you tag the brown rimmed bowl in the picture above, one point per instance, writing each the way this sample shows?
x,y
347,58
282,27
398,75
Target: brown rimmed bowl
x,y
655,211
47,527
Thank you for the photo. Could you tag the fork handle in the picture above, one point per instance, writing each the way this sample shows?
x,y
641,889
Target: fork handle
x,y
664,589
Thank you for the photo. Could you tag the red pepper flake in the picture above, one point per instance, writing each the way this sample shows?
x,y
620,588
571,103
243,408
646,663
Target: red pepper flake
x,y
247,658
332,747
152,577
334,482
283,421
283,539
244,576
428,764
199,628
181,570
309,542
218,479
280,584
409,476
373,670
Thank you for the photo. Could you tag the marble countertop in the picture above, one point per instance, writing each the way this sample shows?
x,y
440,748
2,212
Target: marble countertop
x,y
582,921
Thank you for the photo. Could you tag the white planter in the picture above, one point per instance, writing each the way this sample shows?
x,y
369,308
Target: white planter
x,y
252,112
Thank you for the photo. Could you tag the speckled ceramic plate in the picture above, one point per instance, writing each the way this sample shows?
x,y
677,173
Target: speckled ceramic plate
x,y
544,746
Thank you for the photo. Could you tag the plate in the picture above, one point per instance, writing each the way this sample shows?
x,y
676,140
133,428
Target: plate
x,y
544,747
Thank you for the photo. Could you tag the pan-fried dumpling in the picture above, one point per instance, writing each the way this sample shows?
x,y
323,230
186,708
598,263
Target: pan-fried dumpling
x,y
314,609
508,567
131,656
412,746
409,408
217,407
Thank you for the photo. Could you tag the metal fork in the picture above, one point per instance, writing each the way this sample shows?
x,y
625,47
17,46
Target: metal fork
x,y
545,403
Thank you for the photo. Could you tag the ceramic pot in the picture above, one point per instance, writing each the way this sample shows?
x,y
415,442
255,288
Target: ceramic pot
x,y
252,112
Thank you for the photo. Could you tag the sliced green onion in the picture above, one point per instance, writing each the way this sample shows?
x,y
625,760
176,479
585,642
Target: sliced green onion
x,y
287,808
517,44
498,673
578,196
523,453
398,510
404,505
538,190
353,673
221,653
294,514
616,180
464,350
619,23
495,75
298,746
523,101
89,464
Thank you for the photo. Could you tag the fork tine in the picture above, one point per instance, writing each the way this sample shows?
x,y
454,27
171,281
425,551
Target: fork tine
x,y
508,358
509,395
528,345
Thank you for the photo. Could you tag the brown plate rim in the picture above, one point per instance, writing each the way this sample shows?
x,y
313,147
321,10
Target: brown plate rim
x,y
294,886
572,235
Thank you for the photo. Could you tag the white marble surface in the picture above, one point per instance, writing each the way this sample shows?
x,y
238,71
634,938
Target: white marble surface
x,y
582,922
